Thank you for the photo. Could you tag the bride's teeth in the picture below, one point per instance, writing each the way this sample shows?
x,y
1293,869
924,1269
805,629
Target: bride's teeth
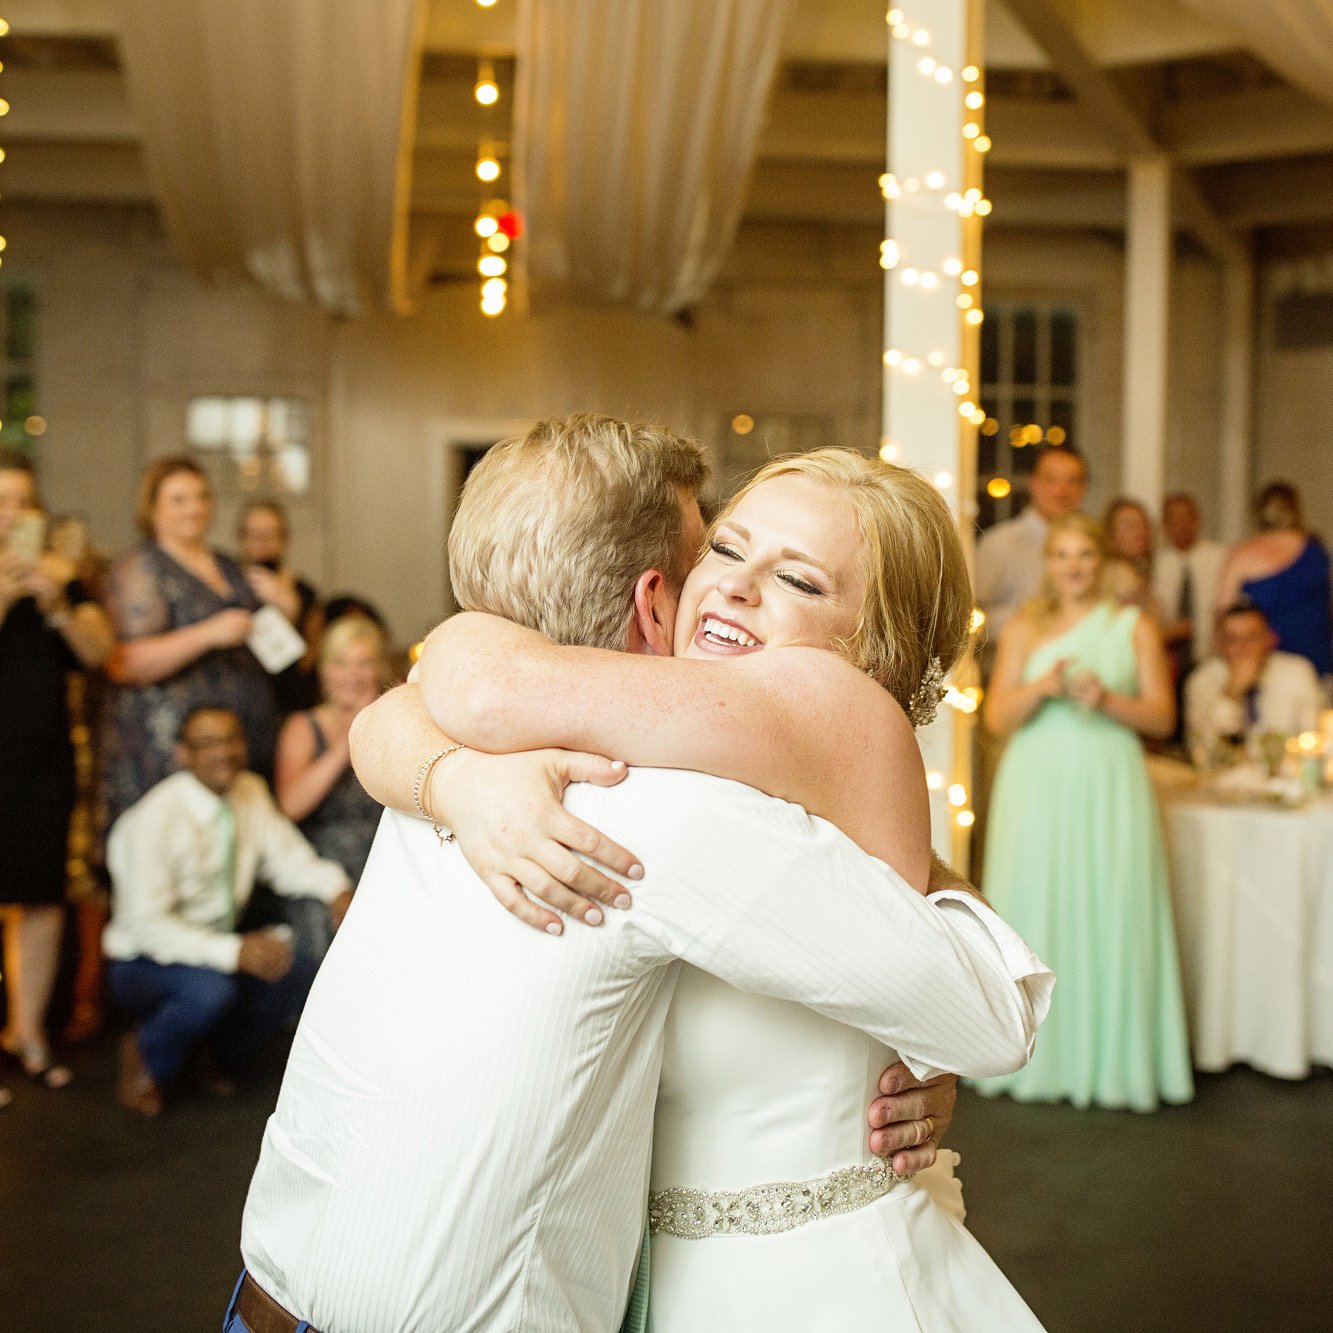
x,y
729,634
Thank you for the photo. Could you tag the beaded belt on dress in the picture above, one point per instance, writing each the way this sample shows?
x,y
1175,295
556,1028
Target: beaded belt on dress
x,y
764,1210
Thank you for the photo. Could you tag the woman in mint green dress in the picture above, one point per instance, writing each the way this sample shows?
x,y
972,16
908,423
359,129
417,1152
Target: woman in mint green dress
x,y
1074,858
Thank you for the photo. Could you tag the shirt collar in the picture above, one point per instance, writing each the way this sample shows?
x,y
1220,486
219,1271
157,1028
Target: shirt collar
x,y
1034,521
200,802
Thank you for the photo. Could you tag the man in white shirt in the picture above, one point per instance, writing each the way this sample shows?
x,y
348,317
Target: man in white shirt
x,y
1250,688
1011,559
183,862
1185,572
462,1138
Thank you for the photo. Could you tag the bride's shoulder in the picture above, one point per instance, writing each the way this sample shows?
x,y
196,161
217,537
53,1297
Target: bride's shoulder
x,y
831,701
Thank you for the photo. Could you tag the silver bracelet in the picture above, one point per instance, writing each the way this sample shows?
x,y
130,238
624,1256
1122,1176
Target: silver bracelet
x,y
419,786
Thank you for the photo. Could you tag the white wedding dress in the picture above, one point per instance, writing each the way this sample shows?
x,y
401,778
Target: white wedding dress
x,y
754,1091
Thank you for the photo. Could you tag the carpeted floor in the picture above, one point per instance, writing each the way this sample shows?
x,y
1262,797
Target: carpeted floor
x,y
1216,1216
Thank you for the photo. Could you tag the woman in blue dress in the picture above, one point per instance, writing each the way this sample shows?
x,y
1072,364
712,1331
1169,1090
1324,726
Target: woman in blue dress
x,y
1074,858
1284,571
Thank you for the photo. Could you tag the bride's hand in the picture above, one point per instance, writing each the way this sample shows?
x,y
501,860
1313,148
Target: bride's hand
x,y
505,812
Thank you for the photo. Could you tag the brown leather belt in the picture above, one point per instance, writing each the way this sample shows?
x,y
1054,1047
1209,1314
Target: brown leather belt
x,y
260,1313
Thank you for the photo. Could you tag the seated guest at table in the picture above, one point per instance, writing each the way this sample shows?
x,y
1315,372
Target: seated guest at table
x,y
183,864
314,782
1074,856
1284,571
1251,687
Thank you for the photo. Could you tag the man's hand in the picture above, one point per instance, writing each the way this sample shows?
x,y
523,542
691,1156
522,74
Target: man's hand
x,y
338,907
909,1118
505,811
265,954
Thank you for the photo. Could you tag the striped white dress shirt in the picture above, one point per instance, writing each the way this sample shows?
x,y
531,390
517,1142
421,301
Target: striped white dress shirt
x,y
462,1138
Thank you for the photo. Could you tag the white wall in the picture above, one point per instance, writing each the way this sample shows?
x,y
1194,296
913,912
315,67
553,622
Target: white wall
x,y
127,338
1294,404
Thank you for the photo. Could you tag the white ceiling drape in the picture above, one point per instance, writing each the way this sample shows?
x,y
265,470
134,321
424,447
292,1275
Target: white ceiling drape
x,y
279,135
635,129
1293,37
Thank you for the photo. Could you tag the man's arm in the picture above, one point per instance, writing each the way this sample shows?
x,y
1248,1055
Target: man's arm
x,y
779,905
286,860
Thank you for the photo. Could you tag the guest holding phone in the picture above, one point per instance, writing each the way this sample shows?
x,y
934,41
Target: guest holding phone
x,y
264,534
182,614
49,627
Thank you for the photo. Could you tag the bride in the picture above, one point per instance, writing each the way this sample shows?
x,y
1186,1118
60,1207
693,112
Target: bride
x,y
761,1098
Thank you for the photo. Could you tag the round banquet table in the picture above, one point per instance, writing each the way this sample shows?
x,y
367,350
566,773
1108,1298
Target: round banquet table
x,y
1253,893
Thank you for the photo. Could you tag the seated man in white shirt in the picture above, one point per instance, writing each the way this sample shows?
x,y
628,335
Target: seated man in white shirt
x,y
1250,688
463,1135
183,862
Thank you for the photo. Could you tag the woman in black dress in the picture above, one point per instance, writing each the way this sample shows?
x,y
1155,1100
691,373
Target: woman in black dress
x,y
182,614
49,627
314,782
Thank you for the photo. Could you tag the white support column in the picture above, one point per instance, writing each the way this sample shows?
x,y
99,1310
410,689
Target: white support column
x,y
1147,306
1237,426
932,257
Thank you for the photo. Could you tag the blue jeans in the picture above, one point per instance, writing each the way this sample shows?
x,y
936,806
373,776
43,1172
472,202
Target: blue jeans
x,y
231,1323
178,1007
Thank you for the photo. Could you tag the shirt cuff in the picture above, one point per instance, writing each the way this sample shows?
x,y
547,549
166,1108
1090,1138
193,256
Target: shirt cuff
x,y
1032,977
224,953
1228,717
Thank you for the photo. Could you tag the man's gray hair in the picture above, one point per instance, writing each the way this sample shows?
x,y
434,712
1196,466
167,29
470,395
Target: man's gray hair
x,y
554,528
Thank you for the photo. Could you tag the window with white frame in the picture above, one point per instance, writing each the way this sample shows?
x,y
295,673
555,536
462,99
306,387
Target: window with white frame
x,y
266,439
1029,391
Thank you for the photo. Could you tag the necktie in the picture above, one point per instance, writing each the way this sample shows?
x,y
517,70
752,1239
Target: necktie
x,y
636,1313
1185,611
227,861
1252,708
1186,606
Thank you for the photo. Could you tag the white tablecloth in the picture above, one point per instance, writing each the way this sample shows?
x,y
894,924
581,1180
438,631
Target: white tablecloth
x,y
1253,893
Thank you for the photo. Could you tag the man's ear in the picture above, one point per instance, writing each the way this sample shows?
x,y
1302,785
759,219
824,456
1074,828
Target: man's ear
x,y
652,629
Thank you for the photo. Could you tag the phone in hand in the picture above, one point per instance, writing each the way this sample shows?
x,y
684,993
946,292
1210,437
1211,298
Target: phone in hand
x,y
27,535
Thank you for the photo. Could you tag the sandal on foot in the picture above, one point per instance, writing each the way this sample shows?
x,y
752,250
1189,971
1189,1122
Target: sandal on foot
x,y
34,1061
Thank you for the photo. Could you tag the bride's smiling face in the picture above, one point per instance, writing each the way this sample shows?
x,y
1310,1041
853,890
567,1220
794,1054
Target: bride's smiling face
x,y
784,568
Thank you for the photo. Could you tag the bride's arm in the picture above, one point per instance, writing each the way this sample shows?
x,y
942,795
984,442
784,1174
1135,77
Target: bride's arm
x,y
798,723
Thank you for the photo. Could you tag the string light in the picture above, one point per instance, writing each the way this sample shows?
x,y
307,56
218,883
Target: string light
x,y
957,794
974,101
486,226
977,621
491,266
935,781
965,819
888,452
488,169
487,92
497,242
486,4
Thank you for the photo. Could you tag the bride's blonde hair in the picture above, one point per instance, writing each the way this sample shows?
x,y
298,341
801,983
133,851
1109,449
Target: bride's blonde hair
x,y
1044,606
918,600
